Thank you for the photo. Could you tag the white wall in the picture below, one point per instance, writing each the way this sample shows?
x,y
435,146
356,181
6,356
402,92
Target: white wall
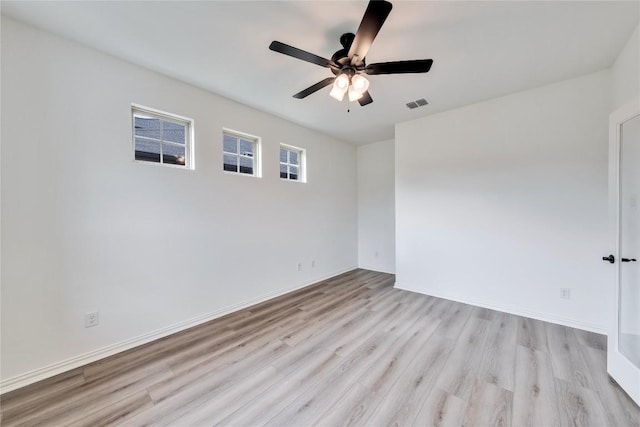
x,y
85,228
502,203
376,207
625,75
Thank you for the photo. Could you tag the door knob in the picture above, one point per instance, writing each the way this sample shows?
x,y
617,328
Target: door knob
x,y
628,260
609,258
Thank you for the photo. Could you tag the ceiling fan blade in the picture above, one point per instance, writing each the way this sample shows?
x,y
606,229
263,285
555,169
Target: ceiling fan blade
x,y
276,46
400,67
365,99
375,15
316,87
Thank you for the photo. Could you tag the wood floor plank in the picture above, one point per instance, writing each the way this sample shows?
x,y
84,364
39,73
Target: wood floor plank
x,y
401,404
489,405
66,408
338,337
442,307
534,396
232,352
618,406
308,376
579,406
380,296
216,343
532,334
214,374
349,350
362,399
33,395
454,319
459,374
378,282
441,409
265,320
567,358
387,316
348,315
177,397
498,354
311,404
209,411
482,313
275,307
391,297
410,312
313,309
591,339
117,413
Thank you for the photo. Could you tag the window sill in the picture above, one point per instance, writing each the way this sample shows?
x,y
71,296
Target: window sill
x,y
164,165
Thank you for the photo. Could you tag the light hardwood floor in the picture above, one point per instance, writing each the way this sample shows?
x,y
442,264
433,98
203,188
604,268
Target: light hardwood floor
x,y
347,351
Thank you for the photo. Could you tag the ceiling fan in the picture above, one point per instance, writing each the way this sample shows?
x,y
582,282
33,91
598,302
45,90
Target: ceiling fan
x,y
348,64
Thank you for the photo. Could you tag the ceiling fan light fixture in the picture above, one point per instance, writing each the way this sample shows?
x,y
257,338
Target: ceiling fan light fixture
x,y
340,86
354,95
359,85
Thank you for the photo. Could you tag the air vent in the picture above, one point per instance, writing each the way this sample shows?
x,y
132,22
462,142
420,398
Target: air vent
x,y
417,103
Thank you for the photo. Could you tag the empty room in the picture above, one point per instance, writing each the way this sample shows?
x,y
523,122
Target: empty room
x,y
320,213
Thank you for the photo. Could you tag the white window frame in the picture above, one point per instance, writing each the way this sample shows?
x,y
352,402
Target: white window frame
x,y
302,163
189,158
257,152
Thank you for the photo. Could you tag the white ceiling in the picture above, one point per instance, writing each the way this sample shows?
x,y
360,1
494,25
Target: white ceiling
x,y
481,49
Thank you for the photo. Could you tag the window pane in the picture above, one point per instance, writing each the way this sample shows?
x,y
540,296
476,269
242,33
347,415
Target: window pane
x,y
230,163
246,147
147,150
293,172
173,132
283,155
293,157
148,127
173,154
283,171
230,144
246,165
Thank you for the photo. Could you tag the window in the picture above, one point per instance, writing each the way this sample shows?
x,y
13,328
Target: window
x,y
240,153
292,163
162,138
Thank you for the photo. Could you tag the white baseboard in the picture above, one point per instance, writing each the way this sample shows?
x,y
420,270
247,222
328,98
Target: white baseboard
x,y
519,311
45,372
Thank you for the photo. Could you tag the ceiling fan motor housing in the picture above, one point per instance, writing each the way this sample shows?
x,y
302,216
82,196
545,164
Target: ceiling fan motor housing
x,y
341,57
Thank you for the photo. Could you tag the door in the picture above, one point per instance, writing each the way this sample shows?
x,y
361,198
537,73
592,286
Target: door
x,y
623,355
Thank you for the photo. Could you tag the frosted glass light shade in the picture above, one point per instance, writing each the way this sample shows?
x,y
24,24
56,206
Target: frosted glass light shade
x,y
340,86
359,85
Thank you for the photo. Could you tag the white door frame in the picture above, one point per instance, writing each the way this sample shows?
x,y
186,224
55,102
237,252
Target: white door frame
x,y
626,374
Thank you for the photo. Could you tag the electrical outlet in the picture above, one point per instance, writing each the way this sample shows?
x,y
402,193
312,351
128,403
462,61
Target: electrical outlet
x,y
313,263
91,319
299,266
375,254
565,293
